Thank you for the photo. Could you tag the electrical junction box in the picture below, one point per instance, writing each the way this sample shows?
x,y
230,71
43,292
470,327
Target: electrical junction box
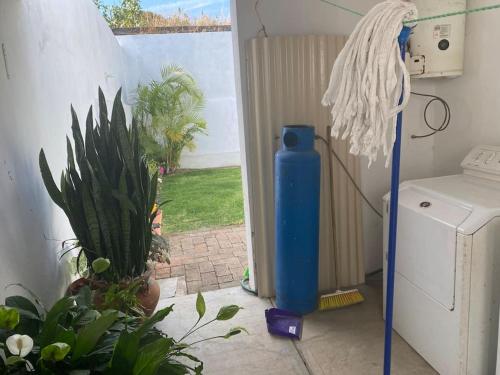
x,y
436,46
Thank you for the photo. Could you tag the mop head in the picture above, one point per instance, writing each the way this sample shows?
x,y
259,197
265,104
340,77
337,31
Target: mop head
x,y
366,81
340,299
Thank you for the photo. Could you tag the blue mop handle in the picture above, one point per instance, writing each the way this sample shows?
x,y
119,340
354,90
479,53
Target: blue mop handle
x,y
393,223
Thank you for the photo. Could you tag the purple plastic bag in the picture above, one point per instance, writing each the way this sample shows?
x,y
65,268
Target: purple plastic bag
x,y
284,323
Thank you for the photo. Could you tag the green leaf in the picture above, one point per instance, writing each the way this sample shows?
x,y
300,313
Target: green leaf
x,y
103,111
173,368
69,151
79,145
9,318
151,356
22,303
89,335
125,200
12,360
88,317
75,177
200,306
100,207
156,318
91,219
55,352
125,218
33,296
228,312
100,265
84,297
235,331
48,180
125,353
49,329
66,336
153,191
30,320
90,149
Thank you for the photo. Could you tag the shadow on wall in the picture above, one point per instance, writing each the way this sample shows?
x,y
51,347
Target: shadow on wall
x,y
59,54
30,243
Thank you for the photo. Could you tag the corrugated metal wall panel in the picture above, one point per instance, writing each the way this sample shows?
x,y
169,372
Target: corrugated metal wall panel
x,y
287,76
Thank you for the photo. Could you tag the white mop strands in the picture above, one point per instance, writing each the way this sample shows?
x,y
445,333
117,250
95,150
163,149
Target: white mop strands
x,y
366,81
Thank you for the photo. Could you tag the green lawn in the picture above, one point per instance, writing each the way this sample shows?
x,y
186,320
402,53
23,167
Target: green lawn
x,y
202,198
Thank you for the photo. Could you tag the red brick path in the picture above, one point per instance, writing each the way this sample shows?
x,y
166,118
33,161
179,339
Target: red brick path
x,y
207,259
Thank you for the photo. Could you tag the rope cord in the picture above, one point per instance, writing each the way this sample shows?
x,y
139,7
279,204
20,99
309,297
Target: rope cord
x,y
421,19
451,14
343,8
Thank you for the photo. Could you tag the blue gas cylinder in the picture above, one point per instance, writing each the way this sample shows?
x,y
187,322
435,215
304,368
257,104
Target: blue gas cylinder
x,y
297,188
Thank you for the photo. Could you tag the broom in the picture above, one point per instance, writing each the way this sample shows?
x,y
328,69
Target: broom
x,y
341,298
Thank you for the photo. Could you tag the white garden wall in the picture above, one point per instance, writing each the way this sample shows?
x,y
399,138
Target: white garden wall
x,y
56,53
208,57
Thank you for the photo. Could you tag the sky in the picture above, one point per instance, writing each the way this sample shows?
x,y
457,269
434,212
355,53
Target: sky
x,y
194,8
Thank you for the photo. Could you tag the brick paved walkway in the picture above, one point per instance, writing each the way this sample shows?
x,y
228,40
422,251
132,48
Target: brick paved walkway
x,y
206,260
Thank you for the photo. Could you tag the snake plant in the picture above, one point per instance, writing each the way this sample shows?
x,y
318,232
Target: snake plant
x,y
106,190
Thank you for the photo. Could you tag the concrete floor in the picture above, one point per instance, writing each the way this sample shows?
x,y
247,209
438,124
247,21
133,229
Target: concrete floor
x,y
347,341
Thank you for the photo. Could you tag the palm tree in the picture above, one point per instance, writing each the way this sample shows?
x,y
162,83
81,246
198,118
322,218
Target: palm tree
x,y
169,112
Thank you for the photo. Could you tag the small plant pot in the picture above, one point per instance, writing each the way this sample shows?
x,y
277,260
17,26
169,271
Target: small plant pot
x,y
76,285
148,295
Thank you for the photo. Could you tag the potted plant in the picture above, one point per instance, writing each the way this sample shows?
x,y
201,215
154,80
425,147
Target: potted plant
x,y
108,195
74,338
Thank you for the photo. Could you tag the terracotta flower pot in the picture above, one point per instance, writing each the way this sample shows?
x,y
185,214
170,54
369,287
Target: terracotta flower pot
x,y
76,285
148,295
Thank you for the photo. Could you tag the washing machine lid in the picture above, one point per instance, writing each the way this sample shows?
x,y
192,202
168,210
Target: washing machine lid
x,y
427,241
480,196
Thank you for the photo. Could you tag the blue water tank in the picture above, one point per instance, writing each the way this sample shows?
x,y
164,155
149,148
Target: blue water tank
x,y
297,188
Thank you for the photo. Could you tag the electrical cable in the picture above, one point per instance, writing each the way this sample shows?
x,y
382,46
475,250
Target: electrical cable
x,y
446,120
351,178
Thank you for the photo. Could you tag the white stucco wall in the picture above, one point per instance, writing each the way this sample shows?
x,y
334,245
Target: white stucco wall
x,y
209,58
292,17
56,52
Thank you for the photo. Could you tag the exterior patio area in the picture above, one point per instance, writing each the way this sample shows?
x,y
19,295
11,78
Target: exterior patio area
x,y
205,260
348,341
280,187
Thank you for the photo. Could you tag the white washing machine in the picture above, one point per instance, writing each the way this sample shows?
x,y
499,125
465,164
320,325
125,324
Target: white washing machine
x,y
447,280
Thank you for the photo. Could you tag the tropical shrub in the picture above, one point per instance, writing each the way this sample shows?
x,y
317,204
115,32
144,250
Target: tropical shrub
x,y
106,191
74,338
169,115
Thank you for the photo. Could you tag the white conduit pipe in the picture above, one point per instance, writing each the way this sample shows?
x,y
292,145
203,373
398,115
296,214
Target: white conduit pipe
x,y
366,81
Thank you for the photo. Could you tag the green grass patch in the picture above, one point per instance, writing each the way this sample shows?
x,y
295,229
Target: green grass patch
x,y
202,198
